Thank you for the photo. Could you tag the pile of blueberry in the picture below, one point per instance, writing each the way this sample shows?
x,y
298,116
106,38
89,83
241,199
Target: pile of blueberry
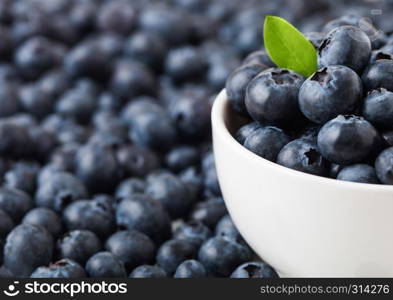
x,y
106,166
338,123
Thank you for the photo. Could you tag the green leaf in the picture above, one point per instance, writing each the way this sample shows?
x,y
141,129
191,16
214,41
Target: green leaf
x,y
288,48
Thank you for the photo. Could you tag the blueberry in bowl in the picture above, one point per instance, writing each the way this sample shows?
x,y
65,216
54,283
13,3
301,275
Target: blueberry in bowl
x,y
312,215
324,191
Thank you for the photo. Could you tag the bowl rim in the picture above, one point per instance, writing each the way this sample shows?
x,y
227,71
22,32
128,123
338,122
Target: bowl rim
x,y
220,128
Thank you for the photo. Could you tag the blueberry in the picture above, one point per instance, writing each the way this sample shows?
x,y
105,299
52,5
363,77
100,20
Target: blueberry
x,y
185,64
259,57
131,79
139,212
105,265
173,252
77,105
147,271
78,245
130,187
334,136
35,56
22,176
36,101
384,166
378,108
330,92
171,192
358,173
98,168
45,218
6,224
140,105
221,256
254,270
117,16
27,247
182,157
64,157
15,203
209,212
266,142
237,83
193,179
90,215
133,248
59,190
303,155
365,24
110,43
348,46
64,268
148,48
136,160
191,115
190,269
272,96
226,228
244,131
345,20
47,171
377,74
194,232
87,60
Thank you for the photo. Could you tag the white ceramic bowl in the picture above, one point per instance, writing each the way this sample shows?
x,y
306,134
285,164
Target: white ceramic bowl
x,y
303,225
